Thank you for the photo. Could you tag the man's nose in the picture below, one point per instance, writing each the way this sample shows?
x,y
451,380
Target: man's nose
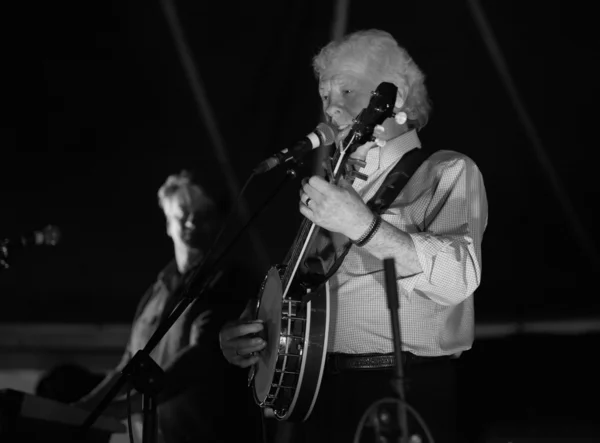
x,y
333,110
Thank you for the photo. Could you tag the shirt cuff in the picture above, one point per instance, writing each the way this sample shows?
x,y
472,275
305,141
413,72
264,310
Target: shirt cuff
x,y
427,247
407,284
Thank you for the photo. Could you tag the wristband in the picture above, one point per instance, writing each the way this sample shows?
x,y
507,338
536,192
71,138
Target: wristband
x,y
370,232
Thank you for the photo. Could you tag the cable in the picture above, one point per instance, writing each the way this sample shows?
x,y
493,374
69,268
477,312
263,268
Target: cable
x,y
263,420
229,216
379,402
130,428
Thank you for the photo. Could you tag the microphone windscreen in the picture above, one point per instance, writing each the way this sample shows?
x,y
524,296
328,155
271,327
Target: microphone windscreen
x,y
327,133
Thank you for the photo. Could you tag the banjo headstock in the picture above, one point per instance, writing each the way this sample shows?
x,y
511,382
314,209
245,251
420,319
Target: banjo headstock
x,y
379,109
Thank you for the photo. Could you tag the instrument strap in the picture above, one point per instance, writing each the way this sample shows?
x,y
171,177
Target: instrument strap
x,y
394,182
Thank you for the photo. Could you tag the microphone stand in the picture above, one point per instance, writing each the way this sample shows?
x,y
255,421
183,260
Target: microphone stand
x,y
142,372
397,381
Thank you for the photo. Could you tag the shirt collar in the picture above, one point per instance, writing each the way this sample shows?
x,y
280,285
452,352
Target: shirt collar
x,y
394,149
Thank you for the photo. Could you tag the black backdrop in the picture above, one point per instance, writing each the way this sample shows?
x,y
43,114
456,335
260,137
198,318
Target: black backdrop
x,y
99,112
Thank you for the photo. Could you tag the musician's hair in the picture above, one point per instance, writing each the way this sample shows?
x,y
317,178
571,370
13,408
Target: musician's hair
x,y
379,51
189,193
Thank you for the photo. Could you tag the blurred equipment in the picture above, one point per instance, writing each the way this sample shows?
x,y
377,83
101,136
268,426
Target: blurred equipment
x,y
48,236
27,418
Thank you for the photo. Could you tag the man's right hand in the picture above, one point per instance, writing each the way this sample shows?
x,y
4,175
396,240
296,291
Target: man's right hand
x,y
237,347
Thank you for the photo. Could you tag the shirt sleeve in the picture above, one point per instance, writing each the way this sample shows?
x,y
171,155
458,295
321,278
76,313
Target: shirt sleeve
x,y
448,242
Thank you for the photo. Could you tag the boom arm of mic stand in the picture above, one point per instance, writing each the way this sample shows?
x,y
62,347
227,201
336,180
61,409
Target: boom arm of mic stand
x,y
142,371
290,174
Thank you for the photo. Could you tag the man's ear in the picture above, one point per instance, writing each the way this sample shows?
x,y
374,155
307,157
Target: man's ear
x,y
401,93
167,229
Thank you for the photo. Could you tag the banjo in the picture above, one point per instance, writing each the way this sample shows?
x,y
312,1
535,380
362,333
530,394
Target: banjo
x,y
294,309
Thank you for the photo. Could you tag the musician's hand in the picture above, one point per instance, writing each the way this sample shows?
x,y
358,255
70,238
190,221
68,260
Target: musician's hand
x,y
237,348
197,327
335,208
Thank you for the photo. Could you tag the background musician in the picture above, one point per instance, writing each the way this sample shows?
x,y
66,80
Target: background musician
x,y
203,399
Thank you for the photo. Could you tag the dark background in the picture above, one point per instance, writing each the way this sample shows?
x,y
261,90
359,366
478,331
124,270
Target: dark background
x,y
99,112
104,112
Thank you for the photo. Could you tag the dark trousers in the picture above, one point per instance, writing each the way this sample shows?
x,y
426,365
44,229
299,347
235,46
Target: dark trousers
x,y
430,388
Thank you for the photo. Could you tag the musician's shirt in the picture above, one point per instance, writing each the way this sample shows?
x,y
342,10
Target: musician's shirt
x,y
199,394
443,208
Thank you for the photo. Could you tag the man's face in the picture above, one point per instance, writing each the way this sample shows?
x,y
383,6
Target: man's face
x,y
185,225
345,90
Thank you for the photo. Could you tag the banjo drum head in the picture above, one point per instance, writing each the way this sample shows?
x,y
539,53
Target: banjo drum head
x,y
270,313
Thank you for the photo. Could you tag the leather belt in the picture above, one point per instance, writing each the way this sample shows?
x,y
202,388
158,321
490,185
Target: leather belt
x,y
336,363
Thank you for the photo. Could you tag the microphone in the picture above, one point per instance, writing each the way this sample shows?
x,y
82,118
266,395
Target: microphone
x,y
323,135
50,236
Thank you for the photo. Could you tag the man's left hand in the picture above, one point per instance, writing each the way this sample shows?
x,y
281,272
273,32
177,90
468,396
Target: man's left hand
x,y
197,327
335,208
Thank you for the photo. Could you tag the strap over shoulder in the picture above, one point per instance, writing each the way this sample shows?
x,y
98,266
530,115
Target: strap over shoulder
x,y
330,256
397,178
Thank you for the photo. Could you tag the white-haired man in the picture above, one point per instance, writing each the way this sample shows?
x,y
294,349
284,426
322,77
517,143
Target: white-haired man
x,y
433,230
199,385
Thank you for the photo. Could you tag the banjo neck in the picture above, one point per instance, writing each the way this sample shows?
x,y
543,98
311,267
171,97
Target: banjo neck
x,y
308,229
297,252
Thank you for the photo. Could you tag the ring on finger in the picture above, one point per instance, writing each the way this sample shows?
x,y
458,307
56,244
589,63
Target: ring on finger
x,y
307,201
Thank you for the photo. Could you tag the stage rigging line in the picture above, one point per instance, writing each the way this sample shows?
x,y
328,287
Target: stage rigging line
x,y
339,25
205,109
583,238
